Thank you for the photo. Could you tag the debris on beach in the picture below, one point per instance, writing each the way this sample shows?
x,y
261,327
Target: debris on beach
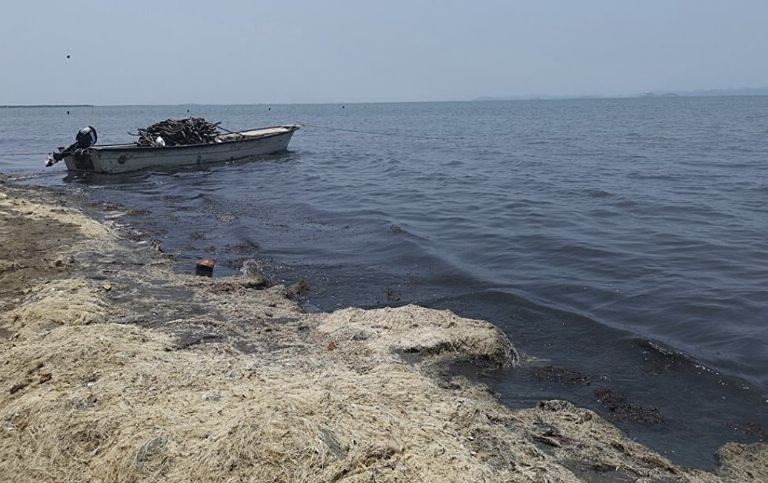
x,y
255,281
204,267
623,410
298,289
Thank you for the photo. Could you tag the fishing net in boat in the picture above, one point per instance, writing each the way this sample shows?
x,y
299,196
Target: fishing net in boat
x,y
178,132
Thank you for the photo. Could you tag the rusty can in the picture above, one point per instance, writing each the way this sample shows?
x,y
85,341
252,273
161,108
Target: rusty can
x,y
204,267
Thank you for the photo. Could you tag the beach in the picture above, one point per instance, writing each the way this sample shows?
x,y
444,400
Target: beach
x,y
117,368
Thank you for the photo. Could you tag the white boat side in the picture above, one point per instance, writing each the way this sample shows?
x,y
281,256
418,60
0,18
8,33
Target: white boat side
x,y
122,158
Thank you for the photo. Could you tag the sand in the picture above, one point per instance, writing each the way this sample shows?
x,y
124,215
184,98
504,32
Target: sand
x,y
115,368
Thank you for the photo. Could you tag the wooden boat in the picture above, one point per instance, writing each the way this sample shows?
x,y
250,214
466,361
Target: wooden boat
x,y
122,158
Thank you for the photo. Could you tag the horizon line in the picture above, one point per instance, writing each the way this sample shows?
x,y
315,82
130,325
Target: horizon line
x,y
760,92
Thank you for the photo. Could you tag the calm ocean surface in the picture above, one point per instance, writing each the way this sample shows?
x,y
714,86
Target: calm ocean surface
x,y
583,228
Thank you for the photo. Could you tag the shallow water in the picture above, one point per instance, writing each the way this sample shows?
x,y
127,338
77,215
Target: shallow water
x,y
581,227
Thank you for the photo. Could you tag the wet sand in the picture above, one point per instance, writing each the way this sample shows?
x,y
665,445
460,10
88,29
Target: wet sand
x,y
115,368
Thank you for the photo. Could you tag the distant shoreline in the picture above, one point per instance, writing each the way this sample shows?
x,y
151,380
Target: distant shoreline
x,y
33,106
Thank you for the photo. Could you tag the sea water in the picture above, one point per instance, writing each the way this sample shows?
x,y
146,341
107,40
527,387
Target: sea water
x,y
626,239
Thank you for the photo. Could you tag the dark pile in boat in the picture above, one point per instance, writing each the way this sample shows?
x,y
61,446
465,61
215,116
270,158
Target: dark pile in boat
x,y
176,132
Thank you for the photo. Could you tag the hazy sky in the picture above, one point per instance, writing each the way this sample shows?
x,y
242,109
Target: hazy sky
x,y
239,51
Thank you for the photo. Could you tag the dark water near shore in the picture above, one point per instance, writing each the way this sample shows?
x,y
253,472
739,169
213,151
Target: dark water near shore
x,y
583,228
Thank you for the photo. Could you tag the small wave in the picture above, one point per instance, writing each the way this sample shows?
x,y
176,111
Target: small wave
x,y
599,193
652,176
587,252
670,357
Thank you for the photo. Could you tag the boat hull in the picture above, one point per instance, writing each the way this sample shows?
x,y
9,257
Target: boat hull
x,y
231,147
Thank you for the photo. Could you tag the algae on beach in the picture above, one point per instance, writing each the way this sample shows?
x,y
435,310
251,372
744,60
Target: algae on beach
x,y
115,368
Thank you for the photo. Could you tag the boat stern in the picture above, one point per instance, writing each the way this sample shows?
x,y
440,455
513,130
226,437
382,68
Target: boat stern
x,y
81,160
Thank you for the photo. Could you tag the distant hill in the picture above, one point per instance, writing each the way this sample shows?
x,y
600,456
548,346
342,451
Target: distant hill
x,y
666,94
751,91
532,97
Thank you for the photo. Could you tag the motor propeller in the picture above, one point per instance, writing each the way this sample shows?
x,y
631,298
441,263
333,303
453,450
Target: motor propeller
x,y
85,138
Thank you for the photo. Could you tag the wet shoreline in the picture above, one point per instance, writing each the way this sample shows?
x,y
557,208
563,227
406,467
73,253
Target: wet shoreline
x,y
665,393
111,274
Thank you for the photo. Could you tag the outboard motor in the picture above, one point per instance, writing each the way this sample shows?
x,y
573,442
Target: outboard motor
x,y
85,138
